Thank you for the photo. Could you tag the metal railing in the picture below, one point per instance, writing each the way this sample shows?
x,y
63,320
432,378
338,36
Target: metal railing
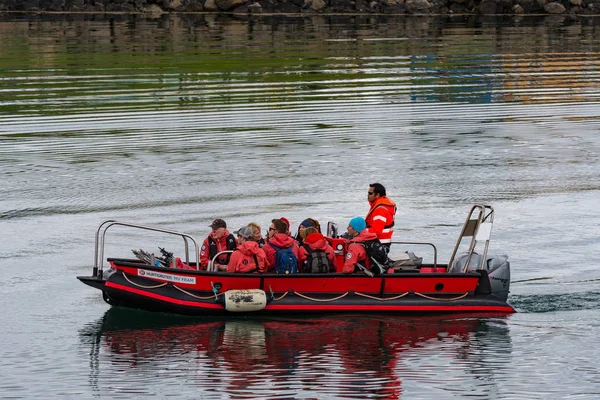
x,y
211,264
101,238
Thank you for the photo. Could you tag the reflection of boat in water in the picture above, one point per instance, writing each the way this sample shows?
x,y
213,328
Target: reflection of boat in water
x,y
467,283
334,354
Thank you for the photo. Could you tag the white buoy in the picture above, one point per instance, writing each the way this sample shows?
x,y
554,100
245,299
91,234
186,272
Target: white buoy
x,y
245,300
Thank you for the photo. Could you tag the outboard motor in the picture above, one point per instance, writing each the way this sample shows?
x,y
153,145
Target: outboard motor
x,y
498,269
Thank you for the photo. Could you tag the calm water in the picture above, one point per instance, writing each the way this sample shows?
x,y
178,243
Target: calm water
x,y
178,120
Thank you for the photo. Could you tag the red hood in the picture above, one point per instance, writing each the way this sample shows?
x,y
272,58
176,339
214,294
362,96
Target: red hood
x,y
383,201
281,240
316,241
364,235
249,248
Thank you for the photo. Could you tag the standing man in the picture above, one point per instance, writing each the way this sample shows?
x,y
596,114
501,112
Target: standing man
x,y
380,218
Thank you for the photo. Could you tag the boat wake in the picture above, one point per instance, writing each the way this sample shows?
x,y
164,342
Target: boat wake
x,y
543,303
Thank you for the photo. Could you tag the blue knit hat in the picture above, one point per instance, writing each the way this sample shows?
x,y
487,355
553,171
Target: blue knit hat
x,y
358,224
306,223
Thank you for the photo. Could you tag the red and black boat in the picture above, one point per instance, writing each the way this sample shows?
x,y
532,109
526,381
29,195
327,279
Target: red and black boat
x,y
469,282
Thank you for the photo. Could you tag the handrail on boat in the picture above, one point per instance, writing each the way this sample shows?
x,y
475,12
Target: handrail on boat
x,y
212,261
100,241
435,252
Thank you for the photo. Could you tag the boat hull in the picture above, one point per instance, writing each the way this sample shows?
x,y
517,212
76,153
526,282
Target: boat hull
x,y
202,293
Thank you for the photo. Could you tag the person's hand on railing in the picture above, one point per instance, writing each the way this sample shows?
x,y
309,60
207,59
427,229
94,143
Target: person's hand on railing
x,y
221,267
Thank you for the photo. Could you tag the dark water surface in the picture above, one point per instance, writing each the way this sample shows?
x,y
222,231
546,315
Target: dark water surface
x,y
177,120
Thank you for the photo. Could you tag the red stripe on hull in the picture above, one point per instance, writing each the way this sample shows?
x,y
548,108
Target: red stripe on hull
x,y
161,297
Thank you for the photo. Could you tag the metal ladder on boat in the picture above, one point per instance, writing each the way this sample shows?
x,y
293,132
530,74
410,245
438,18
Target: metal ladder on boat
x,y
478,226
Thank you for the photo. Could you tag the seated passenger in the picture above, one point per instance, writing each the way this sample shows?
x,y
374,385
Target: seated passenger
x,y
307,223
256,234
356,253
217,241
287,224
315,255
277,247
248,257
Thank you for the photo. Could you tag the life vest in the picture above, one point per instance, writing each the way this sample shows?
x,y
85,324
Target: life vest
x,y
385,236
213,249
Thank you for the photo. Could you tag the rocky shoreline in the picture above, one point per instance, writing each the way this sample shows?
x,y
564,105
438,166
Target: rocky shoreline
x,y
416,7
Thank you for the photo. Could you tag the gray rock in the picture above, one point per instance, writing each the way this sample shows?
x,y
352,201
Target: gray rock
x,y
153,9
487,7
56,5
192,5
254,8
554,8
517,9
417,5
28,5
399,9
528,5
172,4
505,3
210,5
318,5
576,2
437,4
288,8
226,5
342,6
458,8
